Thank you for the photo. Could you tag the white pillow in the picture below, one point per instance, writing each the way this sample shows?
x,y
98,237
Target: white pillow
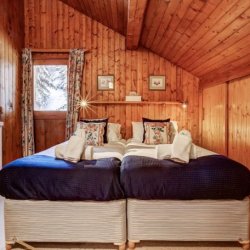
x,y
138,130
114,132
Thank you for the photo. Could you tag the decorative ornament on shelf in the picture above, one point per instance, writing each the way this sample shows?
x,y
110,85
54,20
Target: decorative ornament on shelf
x,y
133,97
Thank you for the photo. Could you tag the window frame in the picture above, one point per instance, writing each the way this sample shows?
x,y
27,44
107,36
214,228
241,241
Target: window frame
x,y
41,59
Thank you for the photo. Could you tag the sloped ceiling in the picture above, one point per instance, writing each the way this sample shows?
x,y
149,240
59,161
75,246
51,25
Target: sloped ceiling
x,y
209,38
111,13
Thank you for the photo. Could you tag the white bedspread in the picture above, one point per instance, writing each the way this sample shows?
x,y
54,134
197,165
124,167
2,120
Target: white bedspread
x,y
121,149
114,149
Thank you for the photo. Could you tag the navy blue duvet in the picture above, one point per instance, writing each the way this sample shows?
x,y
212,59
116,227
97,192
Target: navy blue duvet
x,y
208,177
41,177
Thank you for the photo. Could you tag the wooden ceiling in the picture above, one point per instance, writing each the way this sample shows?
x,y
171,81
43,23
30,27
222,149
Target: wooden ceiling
x,y
209,38
111,13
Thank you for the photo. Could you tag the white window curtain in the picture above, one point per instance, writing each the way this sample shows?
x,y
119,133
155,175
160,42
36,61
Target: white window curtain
x,y
76,64
28,144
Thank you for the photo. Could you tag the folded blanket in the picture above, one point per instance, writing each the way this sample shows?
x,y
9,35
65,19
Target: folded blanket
x,y
163,151
59,151
88,153
74,149
181,147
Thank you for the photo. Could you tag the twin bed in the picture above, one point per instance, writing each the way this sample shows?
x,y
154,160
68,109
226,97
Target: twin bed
x,y
132,196
203,201
50,200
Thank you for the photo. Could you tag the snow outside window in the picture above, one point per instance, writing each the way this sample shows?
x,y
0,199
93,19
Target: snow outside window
x,y
50,87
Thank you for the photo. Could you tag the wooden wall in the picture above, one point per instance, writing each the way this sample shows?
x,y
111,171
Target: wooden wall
x,y
11,43
239,120
52,24
214,127
226,127
49,129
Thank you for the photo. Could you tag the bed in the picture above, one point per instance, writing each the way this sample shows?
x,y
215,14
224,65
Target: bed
x,y
205,200
140,198
50,200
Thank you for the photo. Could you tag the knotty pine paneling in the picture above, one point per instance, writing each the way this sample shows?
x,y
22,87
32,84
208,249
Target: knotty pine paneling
x,y
136,12
239,120
214,122
208,38
53,24
49,129
11,43
112,13
226,119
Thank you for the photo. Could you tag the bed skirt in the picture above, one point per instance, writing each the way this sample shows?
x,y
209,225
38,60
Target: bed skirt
x,y
193,220
64,221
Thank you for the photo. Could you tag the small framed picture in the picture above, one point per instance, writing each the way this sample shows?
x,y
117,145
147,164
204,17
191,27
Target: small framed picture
x,y
157,83
105,82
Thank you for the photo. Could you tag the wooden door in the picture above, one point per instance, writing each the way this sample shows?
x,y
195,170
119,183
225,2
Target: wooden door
x,y
214,122
239,120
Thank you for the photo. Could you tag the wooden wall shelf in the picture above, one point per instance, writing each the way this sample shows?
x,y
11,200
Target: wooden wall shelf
x,y
138,103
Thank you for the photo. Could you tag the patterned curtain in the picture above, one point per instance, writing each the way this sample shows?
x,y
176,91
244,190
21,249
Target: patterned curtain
x,y
28,144
76,63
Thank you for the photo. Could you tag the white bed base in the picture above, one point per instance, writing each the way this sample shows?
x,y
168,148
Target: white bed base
x,y
65,221
192,220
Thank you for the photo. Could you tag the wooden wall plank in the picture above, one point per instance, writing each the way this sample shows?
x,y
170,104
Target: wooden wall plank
x,y
214,127
11,43
226,123
239,120
112,13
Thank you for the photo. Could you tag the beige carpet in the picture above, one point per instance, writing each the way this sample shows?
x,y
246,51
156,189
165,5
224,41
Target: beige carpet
x,y
141,246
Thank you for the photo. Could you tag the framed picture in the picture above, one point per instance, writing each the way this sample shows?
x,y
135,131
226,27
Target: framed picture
x,y
105,82
157,83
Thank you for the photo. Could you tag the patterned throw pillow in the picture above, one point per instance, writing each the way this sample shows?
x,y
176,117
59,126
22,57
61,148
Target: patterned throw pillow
x,y
157,132
151,120
93,133
105,120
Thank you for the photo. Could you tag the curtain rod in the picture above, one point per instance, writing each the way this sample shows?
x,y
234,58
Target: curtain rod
x,y
53,50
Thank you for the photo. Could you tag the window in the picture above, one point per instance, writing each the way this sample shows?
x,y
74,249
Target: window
x,y
50,87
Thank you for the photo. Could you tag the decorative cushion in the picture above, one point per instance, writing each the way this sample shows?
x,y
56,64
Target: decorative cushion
x,y
91,132
102,120
157,132
151,120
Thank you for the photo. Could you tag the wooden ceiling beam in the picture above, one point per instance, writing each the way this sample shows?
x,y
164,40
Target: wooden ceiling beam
x,y
136,12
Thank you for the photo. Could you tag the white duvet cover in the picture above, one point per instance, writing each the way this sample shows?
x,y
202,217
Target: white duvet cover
x,y
121,149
